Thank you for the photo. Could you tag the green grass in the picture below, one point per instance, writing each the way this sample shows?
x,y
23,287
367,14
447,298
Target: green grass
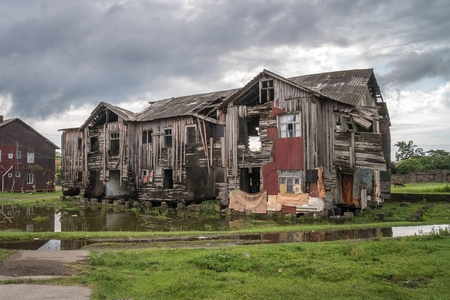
x,y
422,188
407,268
9,195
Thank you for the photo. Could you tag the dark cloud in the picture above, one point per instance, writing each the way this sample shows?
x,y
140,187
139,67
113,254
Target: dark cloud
x,y
413,66
57,53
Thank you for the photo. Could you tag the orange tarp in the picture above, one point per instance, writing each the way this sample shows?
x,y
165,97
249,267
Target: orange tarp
x,y
320,183
240,200
275,202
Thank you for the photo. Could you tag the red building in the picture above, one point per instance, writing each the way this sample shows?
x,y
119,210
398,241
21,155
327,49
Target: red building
x,y
27,159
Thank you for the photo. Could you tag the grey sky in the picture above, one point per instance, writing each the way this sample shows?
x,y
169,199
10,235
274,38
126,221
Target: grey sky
x,y
57,56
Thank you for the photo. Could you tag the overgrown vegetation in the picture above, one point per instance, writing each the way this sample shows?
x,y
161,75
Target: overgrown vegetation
x,y
407,268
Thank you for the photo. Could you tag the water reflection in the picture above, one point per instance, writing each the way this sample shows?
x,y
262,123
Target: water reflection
x,y
94,218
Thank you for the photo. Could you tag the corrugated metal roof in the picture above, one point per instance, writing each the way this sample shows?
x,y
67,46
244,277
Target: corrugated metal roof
x,y
346,86
181,106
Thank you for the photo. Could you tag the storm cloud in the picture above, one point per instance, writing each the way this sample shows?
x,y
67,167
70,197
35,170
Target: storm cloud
x,y
54,54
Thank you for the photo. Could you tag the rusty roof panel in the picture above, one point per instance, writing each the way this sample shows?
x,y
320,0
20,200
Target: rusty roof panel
x,y
343,86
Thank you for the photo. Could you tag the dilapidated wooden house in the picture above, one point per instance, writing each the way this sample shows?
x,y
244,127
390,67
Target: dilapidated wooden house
x,y
312,142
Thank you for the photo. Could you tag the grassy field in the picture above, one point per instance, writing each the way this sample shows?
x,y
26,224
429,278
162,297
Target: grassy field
x,y
422,188
407,268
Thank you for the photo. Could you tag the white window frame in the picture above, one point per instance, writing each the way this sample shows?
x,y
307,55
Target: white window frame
x,y
292,176
19,154
30,157
289,128
10,175
30,178
18,174
10,155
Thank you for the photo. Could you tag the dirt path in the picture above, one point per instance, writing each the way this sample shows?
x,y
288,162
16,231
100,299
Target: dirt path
x,y
37,265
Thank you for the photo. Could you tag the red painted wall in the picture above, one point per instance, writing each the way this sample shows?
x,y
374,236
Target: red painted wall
x,y
287,154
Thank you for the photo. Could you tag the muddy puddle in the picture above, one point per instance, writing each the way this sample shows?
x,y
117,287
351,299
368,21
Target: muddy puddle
x,y
243,239
111,218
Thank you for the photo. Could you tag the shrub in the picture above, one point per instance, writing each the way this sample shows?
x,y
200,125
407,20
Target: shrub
x,y
409,165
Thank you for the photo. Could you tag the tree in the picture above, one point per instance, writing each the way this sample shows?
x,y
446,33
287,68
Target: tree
x,y
407,151
408,165
438,153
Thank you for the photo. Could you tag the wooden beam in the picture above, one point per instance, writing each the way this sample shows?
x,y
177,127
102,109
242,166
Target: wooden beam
x,y
211,120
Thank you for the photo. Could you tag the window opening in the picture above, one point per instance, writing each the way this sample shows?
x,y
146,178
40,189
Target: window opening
x,y
30,178
30,157
254,137
114,144
191,136
290,181
80,176
250,181
168,179
267,91
80,144
289,126
94,144
168,137
147,137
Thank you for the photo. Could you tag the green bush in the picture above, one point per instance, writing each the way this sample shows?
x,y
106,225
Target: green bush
x,y
409,165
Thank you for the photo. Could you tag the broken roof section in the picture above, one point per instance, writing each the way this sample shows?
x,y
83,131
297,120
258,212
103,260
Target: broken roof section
x,y
346,87
98,115
183,106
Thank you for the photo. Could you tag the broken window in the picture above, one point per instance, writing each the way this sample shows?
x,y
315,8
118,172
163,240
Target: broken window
x,y
30,178
290,181
80,143
94,144
191,136
267,91
168,179
30,157
80,177
168,137
114,145
289,126
254,141
147,176
147,136
344,124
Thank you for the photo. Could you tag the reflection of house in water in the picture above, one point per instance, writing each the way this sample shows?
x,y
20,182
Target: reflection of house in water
x,y
314,142
27,218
